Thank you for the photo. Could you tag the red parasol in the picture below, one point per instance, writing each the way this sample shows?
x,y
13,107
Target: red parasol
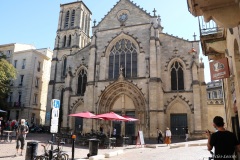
x,y
111,117
130,118
83,115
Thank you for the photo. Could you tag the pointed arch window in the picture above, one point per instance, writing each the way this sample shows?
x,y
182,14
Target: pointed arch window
x,y
73,18
66,20
64,66
177,77
123,53
69,40
64,41
82,82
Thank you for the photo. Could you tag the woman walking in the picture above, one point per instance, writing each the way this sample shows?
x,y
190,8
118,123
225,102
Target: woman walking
x,y
168,135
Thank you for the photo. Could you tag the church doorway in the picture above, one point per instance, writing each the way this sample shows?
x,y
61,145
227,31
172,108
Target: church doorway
x,y
178,123
130,126
78,124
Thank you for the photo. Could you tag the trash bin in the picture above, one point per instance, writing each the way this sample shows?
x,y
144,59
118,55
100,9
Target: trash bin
x,y
93,147
31,150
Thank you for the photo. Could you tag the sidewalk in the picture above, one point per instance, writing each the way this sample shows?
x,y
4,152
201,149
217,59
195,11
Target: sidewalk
x,y
7,150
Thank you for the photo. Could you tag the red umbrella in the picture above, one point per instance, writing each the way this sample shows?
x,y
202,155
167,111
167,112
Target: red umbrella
x,y
83,115
130,118
112,117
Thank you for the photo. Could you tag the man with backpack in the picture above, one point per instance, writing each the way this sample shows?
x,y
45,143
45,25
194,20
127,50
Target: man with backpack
x,y
22,130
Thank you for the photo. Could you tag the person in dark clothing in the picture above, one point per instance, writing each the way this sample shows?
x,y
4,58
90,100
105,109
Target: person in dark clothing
x,y
186,133
224,142
159,134
22,130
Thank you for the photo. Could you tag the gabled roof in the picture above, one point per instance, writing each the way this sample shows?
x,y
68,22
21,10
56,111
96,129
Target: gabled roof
x,y
131,2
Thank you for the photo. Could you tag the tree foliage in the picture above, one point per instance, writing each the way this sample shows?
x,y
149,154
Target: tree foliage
x,y
7,73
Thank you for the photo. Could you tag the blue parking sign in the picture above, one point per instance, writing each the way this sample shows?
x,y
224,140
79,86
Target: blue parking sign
x,y
55,103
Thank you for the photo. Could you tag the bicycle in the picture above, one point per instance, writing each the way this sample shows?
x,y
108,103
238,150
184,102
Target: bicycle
x,y
57,154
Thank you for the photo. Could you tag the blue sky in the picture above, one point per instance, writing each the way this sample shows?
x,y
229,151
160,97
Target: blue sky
x,y
35,21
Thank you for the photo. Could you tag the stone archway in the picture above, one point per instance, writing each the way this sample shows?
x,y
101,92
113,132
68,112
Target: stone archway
x,y
182,111
118,95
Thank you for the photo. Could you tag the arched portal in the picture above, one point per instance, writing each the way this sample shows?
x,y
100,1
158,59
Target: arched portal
x,y
179,116
124,98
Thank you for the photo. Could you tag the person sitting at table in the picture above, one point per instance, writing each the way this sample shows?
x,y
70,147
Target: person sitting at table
x,y
22,130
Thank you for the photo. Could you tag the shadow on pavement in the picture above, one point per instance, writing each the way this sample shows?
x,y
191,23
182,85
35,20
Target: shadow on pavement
x,y
12,156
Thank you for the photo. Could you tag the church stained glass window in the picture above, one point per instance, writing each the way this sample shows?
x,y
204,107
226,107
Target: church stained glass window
x,y
82,82
177,78
123,54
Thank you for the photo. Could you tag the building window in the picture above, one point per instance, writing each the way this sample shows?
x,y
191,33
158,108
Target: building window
x,y
214,94
64,41
66,20
39,66
177,78
220,94
23,63
123,54
69,41
9,53
64,66
82,82
15,63
73,18
36,82
10,97
209,95
35,98
21,80
19,97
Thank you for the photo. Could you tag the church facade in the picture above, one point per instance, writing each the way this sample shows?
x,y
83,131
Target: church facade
x,y
128,66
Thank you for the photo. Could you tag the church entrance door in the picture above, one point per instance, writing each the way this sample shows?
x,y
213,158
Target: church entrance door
x,y
78,124
178,123
130,126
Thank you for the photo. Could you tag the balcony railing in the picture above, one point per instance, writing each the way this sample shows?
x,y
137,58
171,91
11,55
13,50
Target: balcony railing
x,y
18,104
208,28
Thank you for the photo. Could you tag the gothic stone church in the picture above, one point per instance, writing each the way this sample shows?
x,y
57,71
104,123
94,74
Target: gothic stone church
x,y
128,66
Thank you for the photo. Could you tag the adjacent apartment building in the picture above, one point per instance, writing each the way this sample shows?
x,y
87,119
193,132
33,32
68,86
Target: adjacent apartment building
x,y
220,38
215,101
28,96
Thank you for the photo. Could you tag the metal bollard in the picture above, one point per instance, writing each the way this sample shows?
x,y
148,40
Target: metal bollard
x,y
50,154
73,145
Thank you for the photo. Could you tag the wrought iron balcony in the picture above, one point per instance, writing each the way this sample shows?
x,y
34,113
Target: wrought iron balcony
x,y
213,39
18,105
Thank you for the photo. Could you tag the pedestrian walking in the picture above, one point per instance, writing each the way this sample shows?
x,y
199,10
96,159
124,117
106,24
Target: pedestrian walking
x,y
159,136
22,130
186,133
168,136
223,141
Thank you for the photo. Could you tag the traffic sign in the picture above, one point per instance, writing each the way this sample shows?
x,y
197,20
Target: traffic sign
x,y
55,113
55,103
54,122
54,129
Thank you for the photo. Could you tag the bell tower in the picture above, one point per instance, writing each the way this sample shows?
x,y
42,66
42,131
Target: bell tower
x,y
73,26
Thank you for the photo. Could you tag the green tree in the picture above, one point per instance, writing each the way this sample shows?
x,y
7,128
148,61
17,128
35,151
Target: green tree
x,y
7,73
